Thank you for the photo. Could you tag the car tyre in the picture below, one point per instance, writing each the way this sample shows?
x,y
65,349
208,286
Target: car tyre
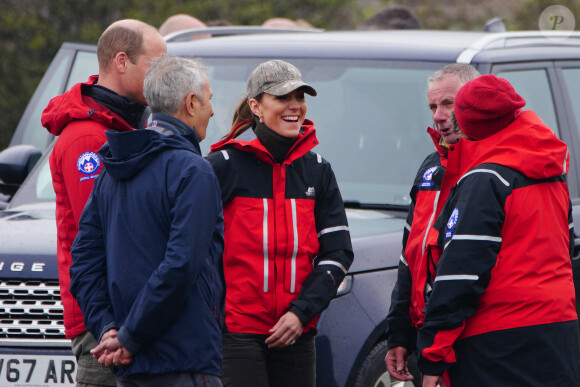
x,y
373,372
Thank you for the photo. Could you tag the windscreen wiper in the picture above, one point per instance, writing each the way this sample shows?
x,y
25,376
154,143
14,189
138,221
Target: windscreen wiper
x,y
375,206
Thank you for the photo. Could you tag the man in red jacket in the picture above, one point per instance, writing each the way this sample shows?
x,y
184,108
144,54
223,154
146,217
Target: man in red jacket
x,y
112,100
428,195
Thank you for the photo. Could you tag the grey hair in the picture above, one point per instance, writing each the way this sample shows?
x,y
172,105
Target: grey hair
x,y
464,73
170,79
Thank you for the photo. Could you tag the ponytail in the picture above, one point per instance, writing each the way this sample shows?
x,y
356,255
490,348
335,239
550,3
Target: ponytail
x,y
243,118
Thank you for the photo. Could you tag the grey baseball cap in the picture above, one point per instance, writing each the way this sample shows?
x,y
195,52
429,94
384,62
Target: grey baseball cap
x,y
276,77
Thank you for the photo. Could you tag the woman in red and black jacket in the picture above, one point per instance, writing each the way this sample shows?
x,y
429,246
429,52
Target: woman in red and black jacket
x,y
287,243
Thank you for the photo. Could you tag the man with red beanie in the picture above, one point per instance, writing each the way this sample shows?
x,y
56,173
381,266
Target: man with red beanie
x,y
112,100
502,309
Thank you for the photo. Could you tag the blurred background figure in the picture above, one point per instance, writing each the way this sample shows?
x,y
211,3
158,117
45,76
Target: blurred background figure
x,y
218,23
280,22
392,18
301,23
180,22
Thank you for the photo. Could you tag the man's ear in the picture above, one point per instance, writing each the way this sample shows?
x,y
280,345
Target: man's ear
x,y
120,62
190,102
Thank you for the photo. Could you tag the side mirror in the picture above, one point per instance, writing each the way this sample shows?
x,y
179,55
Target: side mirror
x,y
16,163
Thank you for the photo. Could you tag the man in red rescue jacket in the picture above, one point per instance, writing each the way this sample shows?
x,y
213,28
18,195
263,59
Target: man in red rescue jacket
x,y
502,310
408,297
112,100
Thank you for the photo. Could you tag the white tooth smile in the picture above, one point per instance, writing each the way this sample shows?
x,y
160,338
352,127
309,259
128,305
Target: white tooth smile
x,y
290,118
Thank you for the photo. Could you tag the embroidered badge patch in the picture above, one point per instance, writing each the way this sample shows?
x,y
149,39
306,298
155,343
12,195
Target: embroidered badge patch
x,y
88,164
428,178
451,223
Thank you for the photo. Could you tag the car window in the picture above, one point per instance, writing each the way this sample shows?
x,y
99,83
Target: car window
x,y
534,87
572,78
30,130
85,65
33,132
44,189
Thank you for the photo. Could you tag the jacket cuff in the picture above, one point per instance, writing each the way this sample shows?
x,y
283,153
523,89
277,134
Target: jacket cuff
x,y
303,318
125,340
428,367
107,328
405,339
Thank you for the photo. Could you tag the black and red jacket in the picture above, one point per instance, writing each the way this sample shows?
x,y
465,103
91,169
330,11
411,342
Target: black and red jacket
x,y
503,303
287,243
406,312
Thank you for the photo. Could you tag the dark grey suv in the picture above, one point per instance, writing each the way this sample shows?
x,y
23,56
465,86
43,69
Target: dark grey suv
x,y
370,114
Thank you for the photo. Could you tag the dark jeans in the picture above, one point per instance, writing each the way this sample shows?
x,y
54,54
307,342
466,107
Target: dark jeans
x,y
89,371
249,363
173,379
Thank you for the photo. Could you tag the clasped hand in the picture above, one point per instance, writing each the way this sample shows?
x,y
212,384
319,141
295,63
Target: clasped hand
x,y
110,352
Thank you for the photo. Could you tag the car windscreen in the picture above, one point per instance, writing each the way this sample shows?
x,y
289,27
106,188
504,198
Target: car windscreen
x,y
370,117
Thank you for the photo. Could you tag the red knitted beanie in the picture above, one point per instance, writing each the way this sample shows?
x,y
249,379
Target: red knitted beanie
x,y
485,105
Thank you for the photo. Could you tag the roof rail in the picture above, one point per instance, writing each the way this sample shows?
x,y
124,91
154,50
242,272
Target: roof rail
x,y
519,39
188,34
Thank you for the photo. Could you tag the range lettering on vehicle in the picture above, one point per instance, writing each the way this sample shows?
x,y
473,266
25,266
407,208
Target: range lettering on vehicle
x,y
20,266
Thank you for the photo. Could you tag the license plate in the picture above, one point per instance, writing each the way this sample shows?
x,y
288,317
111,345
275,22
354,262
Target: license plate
x,y
37,370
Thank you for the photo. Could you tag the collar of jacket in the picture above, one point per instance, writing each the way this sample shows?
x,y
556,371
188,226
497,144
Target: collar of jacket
x,y
437,140
130,112
277,145
169,125
248,142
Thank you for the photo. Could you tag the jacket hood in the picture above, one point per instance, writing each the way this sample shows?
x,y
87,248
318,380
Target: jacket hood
x,y
526,145
248,142
73,105
126,153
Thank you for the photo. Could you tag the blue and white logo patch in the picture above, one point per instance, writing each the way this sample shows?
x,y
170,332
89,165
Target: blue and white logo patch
x,y
428,178
88,164
451,223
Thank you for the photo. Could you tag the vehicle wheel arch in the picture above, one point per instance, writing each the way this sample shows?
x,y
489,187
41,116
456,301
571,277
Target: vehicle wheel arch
x,y
378,334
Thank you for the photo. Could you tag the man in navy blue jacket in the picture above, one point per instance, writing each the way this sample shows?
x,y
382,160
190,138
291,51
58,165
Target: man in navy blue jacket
x,y
146,267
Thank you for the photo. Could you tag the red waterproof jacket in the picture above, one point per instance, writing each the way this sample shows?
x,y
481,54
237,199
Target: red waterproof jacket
x,y
287,245
80,123
503,293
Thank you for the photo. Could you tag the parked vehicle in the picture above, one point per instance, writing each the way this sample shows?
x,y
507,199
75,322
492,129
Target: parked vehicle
x,y
370,113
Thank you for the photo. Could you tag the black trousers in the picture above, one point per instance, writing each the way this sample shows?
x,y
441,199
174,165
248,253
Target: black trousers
x,y
249,363
544,355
